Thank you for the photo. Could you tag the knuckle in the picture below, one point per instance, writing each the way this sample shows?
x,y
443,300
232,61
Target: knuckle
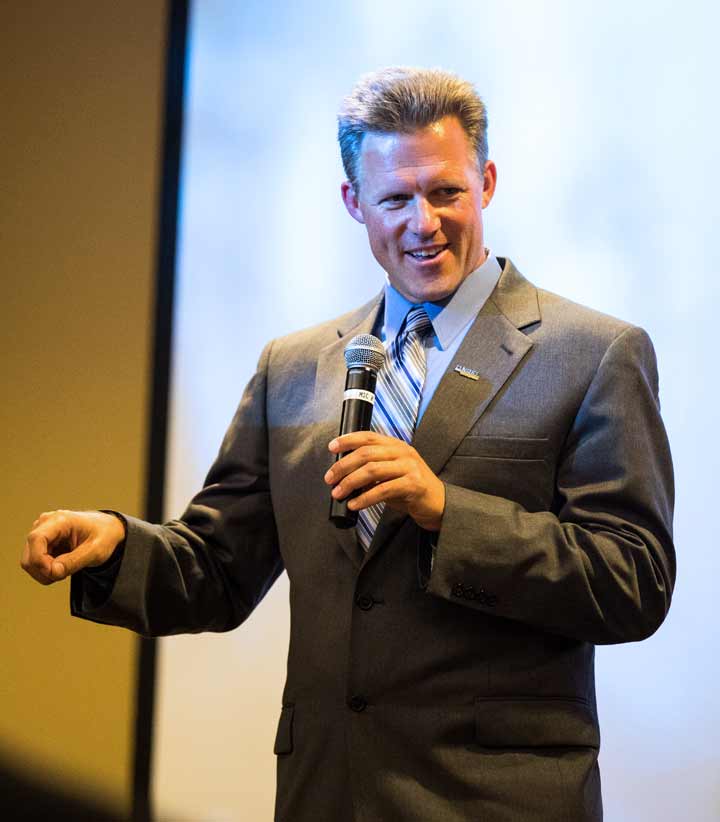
x,y
62,521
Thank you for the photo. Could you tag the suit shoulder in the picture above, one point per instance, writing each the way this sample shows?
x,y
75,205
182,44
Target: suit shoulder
x,y
563,315
577,334
550,317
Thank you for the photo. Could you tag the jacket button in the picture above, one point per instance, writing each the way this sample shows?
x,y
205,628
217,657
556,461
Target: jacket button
x,y
365,602
357,703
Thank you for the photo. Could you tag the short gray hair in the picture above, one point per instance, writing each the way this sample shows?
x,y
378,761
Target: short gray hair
x,y
402,99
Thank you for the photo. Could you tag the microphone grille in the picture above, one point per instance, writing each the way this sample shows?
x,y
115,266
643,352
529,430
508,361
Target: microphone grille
x,y
364,349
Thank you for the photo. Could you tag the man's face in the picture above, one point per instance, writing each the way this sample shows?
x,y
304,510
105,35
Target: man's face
x,y
421,199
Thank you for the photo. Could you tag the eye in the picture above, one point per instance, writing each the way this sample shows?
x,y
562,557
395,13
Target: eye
x,y
448,191
395,200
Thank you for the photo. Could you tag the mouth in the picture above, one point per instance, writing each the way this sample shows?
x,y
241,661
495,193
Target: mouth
x,y
427,253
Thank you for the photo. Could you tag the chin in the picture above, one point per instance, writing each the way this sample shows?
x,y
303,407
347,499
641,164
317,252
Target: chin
x,y
433,292
431,288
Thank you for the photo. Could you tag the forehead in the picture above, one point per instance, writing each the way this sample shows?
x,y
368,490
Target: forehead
x,y
441,148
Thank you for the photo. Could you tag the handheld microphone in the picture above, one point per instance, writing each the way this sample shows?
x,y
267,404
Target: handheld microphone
x,y
364,356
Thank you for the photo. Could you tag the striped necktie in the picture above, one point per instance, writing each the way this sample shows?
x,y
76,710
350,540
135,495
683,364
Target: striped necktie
x,y
397,398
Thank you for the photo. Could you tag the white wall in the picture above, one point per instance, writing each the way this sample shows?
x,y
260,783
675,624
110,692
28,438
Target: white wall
x,y
603,125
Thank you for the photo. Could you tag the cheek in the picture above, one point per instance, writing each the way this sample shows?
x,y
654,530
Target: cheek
x,y
471,224
383,234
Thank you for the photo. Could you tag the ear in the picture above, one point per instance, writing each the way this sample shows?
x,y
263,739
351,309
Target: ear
x,y
351,200
489,182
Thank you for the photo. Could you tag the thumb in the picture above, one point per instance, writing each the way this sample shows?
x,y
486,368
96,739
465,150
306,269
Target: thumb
x,y
67,564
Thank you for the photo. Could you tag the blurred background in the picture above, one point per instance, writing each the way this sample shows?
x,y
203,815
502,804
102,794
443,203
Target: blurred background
x,y
603,126
82,100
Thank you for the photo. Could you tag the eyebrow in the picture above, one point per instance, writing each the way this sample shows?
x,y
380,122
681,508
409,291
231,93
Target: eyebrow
x,y
402,189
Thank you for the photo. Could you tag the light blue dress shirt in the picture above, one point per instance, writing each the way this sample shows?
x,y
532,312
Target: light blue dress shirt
x,y
450,320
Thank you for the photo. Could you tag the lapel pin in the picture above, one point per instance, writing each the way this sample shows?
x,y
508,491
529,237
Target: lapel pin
x,y
470,373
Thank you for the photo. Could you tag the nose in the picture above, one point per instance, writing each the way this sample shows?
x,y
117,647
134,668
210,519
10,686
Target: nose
x,y
424,221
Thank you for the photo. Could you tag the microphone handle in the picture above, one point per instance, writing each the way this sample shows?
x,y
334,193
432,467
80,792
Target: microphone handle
x,y
356,415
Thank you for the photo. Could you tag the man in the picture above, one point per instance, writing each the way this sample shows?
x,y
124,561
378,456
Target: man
x,y
515,508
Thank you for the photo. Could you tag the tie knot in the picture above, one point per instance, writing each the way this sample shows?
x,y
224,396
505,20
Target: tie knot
x,y
417,322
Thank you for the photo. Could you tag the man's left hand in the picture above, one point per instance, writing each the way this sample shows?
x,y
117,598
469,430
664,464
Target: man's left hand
x,y
390,471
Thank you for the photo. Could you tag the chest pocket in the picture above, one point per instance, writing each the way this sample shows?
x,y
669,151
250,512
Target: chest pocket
x,y
521,469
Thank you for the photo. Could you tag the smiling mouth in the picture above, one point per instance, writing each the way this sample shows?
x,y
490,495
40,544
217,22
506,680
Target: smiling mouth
x,y
427,253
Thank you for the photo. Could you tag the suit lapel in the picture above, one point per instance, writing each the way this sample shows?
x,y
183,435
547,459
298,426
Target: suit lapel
x,y
329,389
493,348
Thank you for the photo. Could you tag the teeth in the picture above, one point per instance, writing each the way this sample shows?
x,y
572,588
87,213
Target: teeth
x,y
422,254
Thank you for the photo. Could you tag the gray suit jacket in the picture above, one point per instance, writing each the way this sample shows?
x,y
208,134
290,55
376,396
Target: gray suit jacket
x,y
465,692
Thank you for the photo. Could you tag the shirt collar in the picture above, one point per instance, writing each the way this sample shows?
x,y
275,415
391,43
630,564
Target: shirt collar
x,y
450,316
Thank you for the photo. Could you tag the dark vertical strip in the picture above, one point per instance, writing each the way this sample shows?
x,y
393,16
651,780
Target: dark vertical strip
x,y
159,400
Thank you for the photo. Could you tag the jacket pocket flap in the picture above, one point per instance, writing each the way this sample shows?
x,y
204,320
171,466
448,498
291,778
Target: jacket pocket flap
x,y
534,723
284,736
509,448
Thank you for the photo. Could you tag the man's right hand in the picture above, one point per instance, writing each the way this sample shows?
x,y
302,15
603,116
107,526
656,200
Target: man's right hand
x,y
64,542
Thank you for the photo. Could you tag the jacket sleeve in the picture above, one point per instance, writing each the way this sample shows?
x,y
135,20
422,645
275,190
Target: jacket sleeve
x,y
207,570
600,566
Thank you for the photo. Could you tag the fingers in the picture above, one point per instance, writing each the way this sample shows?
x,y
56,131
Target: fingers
x,y
50,530
380,459
67,564
365,455
36,560
392,492
64,542
370,474
385,469
349,442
